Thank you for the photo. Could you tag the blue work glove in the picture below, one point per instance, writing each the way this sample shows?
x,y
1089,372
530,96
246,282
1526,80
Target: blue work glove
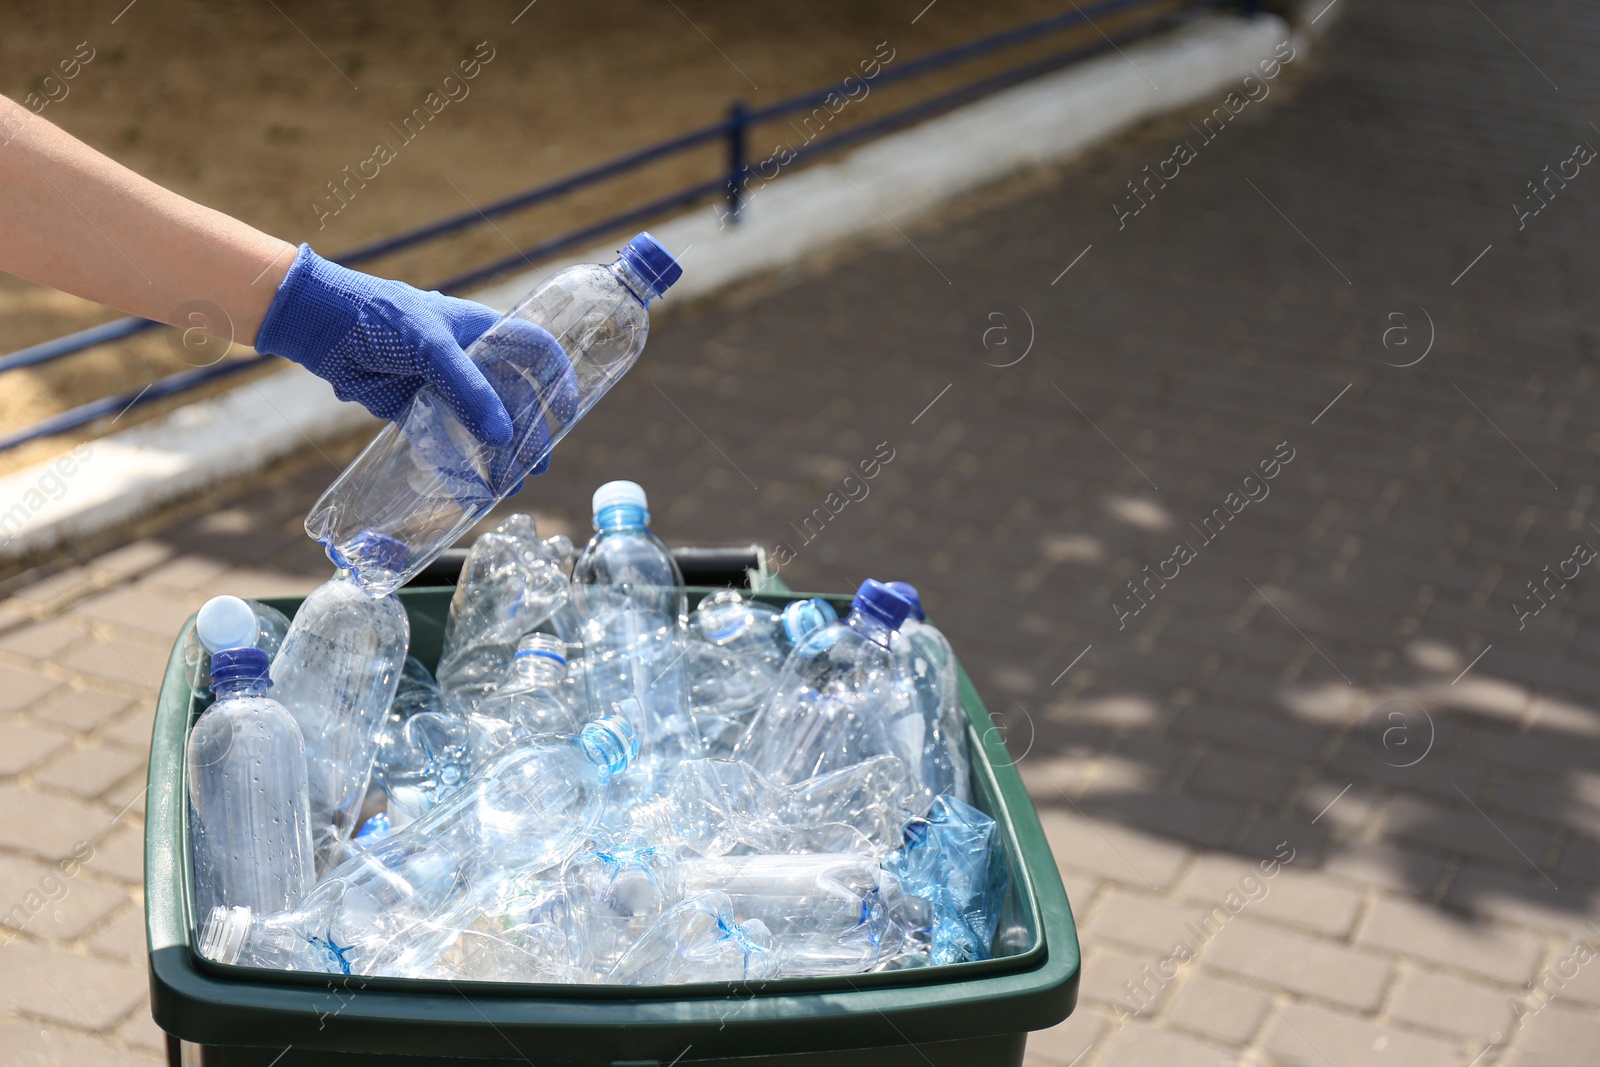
x,y
378,341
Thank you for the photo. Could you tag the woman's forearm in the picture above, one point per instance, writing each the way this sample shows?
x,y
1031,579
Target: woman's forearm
x,y
77,221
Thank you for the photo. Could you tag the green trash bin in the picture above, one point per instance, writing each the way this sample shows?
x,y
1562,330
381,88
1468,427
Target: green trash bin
x,y
964,1015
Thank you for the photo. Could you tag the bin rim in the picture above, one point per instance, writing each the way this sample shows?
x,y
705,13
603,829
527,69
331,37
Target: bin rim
x,y
205,1002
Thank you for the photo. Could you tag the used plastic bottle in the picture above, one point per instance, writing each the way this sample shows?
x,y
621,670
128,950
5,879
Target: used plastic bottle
x,y
953,860
616,888
394,908
337,673
229,622
533,692
424,480
418,692
529,934
836,697
511,583
824,911
629,593
736,648
712,807
699,940
247,792
425,757
933,736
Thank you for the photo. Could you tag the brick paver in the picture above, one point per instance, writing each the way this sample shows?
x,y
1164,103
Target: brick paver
x,y
1351,672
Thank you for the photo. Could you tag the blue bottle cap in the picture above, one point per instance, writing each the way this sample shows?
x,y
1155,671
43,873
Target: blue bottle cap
x,y
246,664
658,267
909,591
878,601
803,616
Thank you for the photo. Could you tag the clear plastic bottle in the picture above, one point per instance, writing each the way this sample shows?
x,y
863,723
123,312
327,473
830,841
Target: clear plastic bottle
x,y
533,693
424,480
629,594
247,791
337,673
836,696
529,934
953,860
425,757
712,807
418,692
824,911
229,622
394,908
736,648
511,583
933,737
616,888
699,940
860,808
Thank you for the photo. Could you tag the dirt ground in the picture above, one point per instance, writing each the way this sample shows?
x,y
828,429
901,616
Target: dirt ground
x,y
255,108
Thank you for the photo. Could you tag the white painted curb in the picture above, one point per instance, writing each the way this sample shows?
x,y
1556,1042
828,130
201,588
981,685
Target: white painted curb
x,y
890,181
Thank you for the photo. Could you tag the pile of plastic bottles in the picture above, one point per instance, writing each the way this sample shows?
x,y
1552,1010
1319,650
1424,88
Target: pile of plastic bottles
x,y
595,784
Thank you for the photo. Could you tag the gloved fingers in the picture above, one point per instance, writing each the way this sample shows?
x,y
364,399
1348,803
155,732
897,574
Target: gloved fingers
x,y
467,320
535,349
467,393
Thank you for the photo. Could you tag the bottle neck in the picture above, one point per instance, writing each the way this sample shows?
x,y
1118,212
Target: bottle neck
x,y
240,687
537,669
633,281
873,629
622,517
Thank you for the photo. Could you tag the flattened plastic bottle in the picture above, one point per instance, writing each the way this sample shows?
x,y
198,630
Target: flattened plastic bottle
x,y
512,582
933,734
824,911
736,649
699,940
834,701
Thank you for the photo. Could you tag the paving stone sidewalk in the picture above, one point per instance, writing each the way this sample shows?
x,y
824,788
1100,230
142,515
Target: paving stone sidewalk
x,y
1375,667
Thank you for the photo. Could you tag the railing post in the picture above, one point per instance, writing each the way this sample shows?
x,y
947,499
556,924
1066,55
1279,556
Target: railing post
x,y
738,121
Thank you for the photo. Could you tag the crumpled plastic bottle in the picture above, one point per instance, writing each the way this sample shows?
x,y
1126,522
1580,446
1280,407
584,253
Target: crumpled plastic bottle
x,y
712,807
616,888
395,907
510,585
736,649
953,860
699,939
836,696
533,695
932,735
824,911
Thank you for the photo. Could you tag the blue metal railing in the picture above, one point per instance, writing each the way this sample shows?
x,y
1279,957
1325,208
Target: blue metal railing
x,y
733,130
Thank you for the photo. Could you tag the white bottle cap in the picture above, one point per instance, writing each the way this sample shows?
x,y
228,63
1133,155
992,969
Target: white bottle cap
x,y
614,493
226,622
